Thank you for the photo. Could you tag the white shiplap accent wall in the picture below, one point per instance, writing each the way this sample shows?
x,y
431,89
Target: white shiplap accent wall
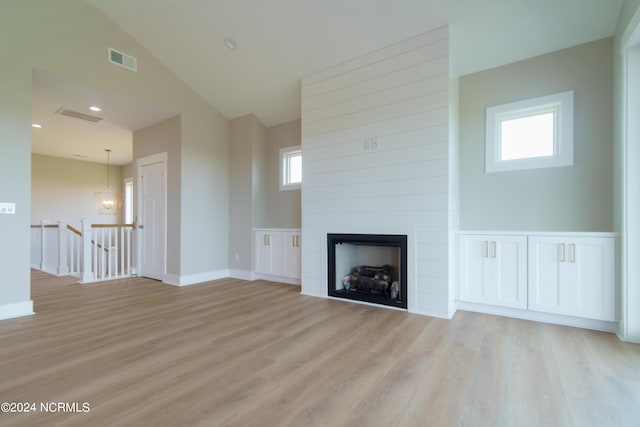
x,y
399,94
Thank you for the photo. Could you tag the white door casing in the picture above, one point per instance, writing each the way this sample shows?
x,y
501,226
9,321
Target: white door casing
x,y
152,215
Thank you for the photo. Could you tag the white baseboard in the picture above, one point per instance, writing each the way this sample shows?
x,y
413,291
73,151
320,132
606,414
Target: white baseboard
x,y
18,309
242,275
192,279
438,314
312,294
175,280
558,319
278,279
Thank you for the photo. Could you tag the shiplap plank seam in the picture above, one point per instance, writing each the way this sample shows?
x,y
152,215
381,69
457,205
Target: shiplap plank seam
x,y
375,106
427,119
390,148
377,71
322,144
444,109
370,58
440,66
423,83
407,75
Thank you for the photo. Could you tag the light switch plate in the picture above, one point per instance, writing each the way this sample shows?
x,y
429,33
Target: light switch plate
x,y
8,208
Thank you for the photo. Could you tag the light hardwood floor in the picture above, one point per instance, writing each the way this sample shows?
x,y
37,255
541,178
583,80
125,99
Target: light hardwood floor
x,y
237,353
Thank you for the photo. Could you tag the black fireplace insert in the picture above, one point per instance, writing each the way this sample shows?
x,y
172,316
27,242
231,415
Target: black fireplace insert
x,y
368,267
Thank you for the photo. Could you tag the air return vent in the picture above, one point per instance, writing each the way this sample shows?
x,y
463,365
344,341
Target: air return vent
x,y
77,115
123,60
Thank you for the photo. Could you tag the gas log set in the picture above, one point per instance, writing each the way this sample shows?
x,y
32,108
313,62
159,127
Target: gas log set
x,y
373,280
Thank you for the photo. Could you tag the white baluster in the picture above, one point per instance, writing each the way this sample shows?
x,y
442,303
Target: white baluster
x,y
42,248
63,265
86,274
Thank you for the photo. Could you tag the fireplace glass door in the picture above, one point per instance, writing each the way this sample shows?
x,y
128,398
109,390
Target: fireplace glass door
x,y
368,267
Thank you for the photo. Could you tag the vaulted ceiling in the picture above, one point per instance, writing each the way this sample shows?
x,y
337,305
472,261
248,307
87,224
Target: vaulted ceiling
x,y
281,41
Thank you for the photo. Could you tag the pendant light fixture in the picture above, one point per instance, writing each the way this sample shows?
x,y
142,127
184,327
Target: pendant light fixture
x,y
108,202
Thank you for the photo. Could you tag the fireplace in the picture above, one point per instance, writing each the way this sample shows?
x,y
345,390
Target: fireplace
x,y
368,267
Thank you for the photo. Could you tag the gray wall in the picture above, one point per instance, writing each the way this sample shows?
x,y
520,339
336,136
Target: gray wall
x,y
63,189
283,207
255,200
127,171
247,147
259,169
573,198
70,38
15,169
159,138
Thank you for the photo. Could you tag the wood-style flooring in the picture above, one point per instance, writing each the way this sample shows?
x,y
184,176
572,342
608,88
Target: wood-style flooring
x,y
238,353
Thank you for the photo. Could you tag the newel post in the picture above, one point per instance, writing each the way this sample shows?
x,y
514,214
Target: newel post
x,y
86,272
63,263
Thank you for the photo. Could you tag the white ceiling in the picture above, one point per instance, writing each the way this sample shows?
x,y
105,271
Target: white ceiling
x,y
62,136
282,41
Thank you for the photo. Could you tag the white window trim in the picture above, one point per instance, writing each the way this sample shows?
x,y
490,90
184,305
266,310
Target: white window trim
x,y
284,168
561,104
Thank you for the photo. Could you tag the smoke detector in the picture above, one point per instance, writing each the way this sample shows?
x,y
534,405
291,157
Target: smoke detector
x,y
230,43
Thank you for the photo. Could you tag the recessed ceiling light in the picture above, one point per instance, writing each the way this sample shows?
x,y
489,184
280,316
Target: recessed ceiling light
x,y
36,125
230,43
95,108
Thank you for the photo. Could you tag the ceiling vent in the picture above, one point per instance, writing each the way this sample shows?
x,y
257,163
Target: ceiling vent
x,y
123,60
78,115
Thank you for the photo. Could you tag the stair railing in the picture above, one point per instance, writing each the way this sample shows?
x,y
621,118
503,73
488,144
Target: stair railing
x,y
95,252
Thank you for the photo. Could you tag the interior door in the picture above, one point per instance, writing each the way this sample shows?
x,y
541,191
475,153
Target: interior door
x,y
152,223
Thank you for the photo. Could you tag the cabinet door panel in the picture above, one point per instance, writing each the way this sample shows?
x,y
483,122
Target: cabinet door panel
x,y
548,275
268,253
592,277
291,254
511,271
493,270
474,268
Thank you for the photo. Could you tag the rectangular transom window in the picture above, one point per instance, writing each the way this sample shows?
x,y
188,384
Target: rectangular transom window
x,y
290,168
530,134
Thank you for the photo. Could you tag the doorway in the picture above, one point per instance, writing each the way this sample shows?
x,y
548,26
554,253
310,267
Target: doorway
x,y
152,215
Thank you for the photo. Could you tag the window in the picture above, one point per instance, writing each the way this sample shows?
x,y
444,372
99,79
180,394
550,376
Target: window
x,y
128,200
530,134
290,168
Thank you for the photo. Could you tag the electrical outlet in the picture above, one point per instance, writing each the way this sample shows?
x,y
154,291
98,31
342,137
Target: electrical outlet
x,y
8,208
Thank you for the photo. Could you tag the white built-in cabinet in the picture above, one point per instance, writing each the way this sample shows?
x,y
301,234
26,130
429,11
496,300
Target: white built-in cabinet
x,y
291,262
268,252
277,253
573,276
569,275
495,270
